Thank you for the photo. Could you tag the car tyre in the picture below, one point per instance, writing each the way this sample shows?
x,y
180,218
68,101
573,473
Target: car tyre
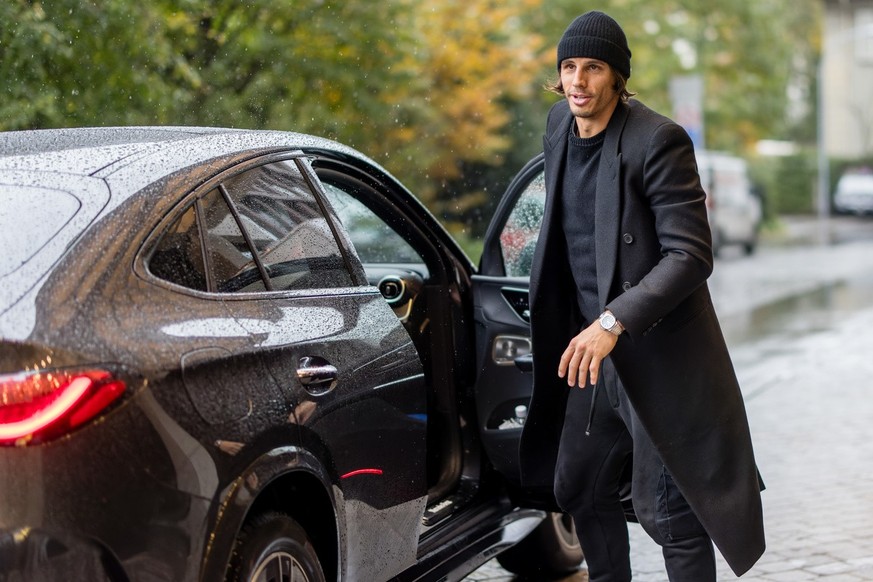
x,y
274,548
551,550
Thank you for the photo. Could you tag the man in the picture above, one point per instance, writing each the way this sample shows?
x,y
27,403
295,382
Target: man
x,y
631,371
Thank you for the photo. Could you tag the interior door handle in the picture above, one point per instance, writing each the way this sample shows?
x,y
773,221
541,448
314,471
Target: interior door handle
x,y
316,374
524,363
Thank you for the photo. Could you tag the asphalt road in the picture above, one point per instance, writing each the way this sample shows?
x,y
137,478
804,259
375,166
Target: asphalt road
x,y
798,315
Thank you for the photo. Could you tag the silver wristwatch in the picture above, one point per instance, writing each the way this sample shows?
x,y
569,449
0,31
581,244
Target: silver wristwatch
x,y
609,323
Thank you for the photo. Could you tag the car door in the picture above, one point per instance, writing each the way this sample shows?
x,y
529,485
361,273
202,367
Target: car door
x,y
500,298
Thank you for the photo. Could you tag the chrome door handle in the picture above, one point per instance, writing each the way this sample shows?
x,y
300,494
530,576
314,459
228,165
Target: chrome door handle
x,y
316,374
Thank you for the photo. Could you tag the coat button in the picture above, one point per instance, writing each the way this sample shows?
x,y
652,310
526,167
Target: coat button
x,y
626,286
628,238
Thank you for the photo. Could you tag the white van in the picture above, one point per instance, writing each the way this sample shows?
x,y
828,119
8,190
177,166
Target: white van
x,y
734,207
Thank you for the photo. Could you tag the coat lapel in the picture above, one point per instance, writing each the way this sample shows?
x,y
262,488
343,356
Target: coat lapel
x,y
555,147
607,207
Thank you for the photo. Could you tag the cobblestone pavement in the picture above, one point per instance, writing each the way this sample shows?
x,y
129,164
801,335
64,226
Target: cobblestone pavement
x,y
807,374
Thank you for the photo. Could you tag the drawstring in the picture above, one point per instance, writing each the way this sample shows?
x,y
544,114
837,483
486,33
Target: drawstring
x,y
591,410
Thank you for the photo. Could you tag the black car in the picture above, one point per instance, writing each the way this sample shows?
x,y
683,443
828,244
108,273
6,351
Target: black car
x,y
248,355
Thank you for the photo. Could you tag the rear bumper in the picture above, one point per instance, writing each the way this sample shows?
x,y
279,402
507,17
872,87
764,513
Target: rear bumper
x,y
113,501
857,204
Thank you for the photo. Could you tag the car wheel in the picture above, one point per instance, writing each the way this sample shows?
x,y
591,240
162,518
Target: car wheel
x,y
551,550
274,548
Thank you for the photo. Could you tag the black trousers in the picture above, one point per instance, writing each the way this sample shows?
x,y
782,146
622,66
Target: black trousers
x,y
588,479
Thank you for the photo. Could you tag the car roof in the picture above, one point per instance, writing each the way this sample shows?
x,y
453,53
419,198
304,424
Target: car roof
x,y
44,171
102,150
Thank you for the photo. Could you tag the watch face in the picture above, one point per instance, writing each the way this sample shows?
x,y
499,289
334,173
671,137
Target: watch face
x,y
607,320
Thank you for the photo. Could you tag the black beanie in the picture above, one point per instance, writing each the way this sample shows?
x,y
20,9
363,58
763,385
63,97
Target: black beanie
x,y
595,35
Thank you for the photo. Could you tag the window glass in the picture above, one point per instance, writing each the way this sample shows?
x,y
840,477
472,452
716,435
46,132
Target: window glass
x,y
284,222
178,257
519,235
375,241
230,258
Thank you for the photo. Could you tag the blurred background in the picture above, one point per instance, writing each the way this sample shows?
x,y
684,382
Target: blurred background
x,y
448,94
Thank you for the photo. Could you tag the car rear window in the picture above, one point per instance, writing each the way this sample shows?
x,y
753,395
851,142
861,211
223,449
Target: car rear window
x,y
29,218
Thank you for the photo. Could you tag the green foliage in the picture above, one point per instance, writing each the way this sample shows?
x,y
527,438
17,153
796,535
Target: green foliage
x,y
788,183
447,94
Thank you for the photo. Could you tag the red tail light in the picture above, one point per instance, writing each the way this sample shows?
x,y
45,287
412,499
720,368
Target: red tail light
x,y
50,402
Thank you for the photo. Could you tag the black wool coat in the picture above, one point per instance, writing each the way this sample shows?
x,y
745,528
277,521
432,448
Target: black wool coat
x,y
653,253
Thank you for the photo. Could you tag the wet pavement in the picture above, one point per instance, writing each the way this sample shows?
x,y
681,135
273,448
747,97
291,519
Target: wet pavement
x,y
798,316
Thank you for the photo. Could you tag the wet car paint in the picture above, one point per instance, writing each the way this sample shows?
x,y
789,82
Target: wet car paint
x,y
154,477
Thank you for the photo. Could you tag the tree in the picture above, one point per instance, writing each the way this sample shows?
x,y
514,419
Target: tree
x,y
67,62
472,59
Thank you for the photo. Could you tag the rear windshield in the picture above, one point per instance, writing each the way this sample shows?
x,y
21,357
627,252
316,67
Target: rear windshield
x,y
29,218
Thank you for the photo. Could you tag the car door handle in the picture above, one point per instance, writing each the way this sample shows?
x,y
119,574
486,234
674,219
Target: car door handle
x,y
316,374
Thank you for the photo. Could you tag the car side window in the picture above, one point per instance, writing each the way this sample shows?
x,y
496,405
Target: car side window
x,y
178,257
519,235
374,240
231,260
285,224
261,229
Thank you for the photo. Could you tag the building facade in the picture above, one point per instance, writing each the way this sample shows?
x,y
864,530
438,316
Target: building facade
x,y
847,79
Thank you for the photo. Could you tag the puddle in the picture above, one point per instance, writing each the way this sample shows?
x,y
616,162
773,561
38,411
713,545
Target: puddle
x,y
800,314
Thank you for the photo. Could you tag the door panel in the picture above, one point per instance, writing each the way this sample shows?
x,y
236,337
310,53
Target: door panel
x,y
501,313
502,336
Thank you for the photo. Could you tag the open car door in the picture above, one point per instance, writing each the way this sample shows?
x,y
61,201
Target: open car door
x,y
500,291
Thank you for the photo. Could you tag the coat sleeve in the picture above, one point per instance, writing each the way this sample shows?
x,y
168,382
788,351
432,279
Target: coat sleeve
x,y
669,186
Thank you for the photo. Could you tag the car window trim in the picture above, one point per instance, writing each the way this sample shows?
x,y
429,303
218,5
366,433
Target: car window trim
x,y
234,211
211,285
384,204
315,187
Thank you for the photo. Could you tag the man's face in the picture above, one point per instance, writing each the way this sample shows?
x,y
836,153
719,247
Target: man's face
x,y
589,86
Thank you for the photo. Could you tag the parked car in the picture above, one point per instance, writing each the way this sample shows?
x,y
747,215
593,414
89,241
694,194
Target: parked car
x,y
253,355
734,205
854,194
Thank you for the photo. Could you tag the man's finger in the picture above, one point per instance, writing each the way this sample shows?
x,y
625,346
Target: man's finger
x,y
564,363
594,370
573,369
582,368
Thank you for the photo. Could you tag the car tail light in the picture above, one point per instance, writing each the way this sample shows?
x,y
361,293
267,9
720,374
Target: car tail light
x,y
48,403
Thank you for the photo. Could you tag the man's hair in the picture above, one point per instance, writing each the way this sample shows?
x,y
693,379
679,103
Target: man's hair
x,y
557,86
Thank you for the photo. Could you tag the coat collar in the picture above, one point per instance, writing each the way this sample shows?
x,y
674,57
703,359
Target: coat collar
x,y
559,122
